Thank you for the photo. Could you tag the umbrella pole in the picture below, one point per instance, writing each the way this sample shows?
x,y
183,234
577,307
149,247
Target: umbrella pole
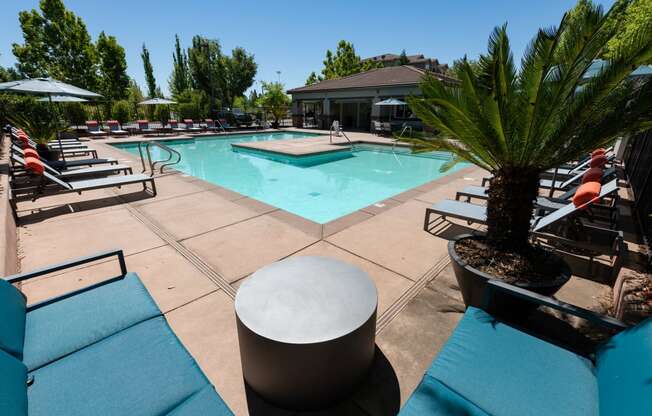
x,y
58,133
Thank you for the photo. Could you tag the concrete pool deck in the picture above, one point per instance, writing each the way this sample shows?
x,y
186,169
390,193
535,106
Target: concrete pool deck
x,y
195,242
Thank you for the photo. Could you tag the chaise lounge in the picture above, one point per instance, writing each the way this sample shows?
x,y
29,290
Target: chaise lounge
x,y
102,350
490,367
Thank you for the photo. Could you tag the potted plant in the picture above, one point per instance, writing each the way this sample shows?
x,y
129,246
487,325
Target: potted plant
x,y
275,101
41,130
518,123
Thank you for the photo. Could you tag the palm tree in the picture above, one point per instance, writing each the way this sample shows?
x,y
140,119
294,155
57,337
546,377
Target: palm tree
x,y
519,123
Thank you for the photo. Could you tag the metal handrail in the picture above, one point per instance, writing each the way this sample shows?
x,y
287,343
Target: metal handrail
x,y
152,164
219,124
330,135
406,127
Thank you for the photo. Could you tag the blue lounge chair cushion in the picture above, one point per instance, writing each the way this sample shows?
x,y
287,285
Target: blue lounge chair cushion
x,y
504,371
12,319
624,366
433,398
204,402
142,370
66,325
13,386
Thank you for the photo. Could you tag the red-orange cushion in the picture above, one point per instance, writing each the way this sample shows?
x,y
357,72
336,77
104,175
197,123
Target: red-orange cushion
x,y
187,120
599,151
592,175
30,152
598,161
91,123
34,165
586,193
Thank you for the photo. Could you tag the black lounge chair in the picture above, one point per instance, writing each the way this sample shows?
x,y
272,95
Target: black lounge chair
x,y
478,214
66,175
51,185
70,163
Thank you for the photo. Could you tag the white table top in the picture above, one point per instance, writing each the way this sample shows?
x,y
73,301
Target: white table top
x,y
305,300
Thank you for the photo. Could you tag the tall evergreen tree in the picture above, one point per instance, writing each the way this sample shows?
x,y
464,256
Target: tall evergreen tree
x,y
240,70
313,78
114,81
56,44
152,90
180,78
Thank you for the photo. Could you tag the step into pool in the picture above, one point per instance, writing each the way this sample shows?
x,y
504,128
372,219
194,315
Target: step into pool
x,y
321,192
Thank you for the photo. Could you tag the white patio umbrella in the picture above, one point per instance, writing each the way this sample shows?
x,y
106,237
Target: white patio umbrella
x,y
391,102
63,99
158,101
48,87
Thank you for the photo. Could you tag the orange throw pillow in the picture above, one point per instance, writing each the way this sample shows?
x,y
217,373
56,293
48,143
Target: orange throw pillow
x,y
29,152
34,165
598,152
598,161
592,175
586,193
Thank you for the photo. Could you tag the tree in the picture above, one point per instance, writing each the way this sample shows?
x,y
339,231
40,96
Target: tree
x,y
403,59
342,63
56,44
275,101
313,79
113,80
8,74
240,70
152,89
135,96
180,78
206,67
519,123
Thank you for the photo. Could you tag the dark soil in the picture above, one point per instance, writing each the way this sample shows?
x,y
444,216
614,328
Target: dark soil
x,y
531,265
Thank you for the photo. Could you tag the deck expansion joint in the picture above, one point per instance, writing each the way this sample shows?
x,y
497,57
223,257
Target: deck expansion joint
x,y
189,255
397,307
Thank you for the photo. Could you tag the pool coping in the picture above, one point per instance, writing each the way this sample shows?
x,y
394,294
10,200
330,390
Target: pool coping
x,y
303,224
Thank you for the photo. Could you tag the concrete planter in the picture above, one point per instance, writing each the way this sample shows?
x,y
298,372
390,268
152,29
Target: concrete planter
x,y
473,282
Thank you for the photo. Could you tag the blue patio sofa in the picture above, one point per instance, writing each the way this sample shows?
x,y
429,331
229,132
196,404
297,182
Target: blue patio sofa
x,y
102,350
488,367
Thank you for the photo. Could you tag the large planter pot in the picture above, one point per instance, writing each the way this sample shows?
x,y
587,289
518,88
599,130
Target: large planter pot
x,y
46,153
473,283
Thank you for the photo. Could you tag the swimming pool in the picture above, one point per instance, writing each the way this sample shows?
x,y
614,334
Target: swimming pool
x,y
321,192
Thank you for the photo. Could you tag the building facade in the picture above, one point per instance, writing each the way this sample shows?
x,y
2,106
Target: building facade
x,y
351,100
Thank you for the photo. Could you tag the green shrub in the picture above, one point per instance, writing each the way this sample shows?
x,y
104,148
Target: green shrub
x,y
162,113
121,111
75,114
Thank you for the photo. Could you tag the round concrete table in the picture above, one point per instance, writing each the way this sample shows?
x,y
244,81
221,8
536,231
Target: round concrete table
x,y
306,328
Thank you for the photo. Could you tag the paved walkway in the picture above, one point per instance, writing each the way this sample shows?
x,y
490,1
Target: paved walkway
x,y
195,242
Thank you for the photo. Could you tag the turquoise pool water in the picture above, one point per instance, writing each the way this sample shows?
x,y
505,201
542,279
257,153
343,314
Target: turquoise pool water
x,y
321,192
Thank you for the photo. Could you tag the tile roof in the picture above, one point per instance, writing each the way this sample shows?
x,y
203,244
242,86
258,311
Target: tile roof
x,y
381,77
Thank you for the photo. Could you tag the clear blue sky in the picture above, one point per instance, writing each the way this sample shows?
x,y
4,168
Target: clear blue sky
x,y
292,36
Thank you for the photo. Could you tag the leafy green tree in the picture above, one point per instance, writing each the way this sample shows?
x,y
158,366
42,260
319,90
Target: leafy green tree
x,y
206,67
135,96
342,63
113,80
517,123
8,74
194,104
56,44
152,89
180,78
403,59
313,78
162,113
275,101
240,70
